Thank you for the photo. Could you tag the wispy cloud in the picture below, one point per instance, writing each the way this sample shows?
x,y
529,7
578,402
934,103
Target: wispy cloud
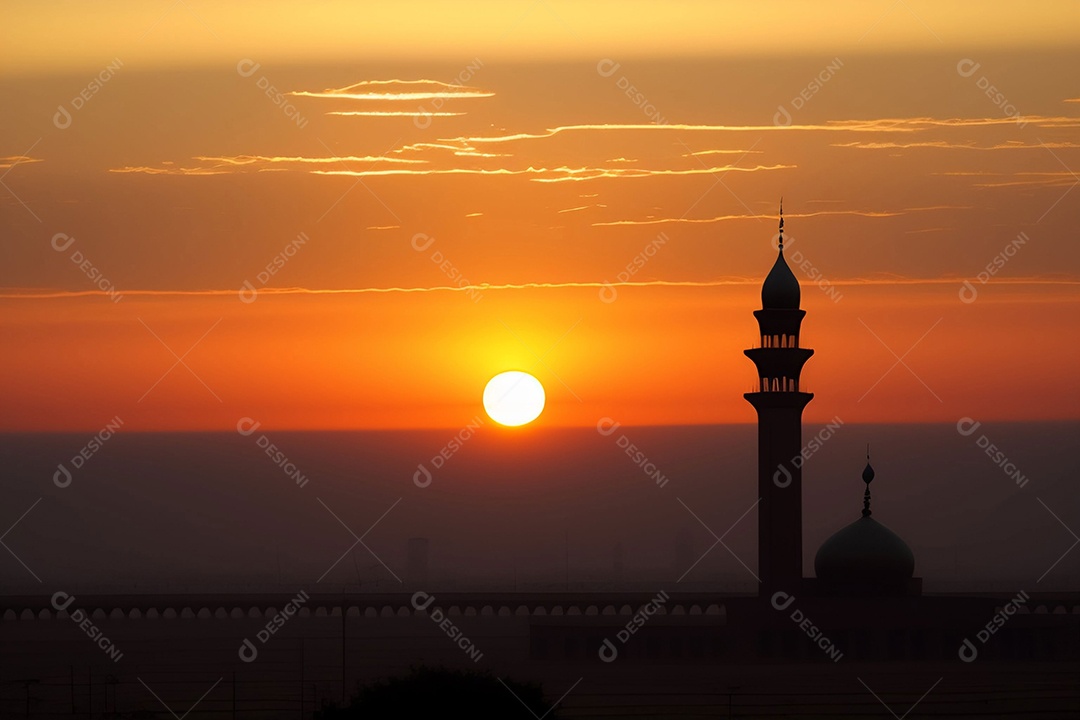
x,y
12,160
397,90
883,280
394,113
215,165
943,144
904,125
817,213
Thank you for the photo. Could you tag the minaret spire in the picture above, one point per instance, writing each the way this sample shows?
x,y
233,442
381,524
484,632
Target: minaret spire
x,y
781,223
867,476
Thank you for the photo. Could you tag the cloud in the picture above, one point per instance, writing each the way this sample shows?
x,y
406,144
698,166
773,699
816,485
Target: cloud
x,y
882,280
1045,179
216,165
12,160
394,113
904,125
943,144
394,90
817,213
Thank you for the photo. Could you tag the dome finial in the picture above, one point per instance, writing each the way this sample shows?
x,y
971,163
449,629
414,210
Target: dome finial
x,y
781,242
867,476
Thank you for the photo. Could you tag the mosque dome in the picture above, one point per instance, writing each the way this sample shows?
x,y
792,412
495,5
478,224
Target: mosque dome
x,y
780,291
865,557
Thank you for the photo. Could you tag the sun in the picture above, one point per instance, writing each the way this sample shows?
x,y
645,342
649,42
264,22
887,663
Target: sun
x,y
514,398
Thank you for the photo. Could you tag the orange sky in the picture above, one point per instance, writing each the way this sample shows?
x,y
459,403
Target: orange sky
x,y
532,152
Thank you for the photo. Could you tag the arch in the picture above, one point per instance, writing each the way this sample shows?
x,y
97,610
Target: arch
x,y
116,614
135,614
370,612
454,611
557,610
10,615
487,611
44,614
353,612
203,614
320,612
504,611
404,611
713,609
521,610
540,610
220,614
187,614
574,610
386,611
470,611
695,609
169,614
236,613
676,610
27,614
98,614
153,614
608,610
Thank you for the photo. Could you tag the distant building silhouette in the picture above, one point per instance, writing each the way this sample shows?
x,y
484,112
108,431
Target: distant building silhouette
x,y
416,567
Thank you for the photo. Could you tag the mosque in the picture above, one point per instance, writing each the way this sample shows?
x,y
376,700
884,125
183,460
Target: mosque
x,y
864,602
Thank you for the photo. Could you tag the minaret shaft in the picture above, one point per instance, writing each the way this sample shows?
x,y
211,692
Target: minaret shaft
x,y
779,402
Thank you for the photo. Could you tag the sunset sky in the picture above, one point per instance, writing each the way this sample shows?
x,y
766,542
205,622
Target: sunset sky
x,y
352,217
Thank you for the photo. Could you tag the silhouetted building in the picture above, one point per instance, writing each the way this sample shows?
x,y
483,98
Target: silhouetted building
x,y
779,403
416,567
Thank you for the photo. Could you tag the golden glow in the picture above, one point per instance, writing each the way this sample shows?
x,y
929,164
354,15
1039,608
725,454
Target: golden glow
x,y
514,398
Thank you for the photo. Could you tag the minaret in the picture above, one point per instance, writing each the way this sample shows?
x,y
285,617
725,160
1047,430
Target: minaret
x,y
779,403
